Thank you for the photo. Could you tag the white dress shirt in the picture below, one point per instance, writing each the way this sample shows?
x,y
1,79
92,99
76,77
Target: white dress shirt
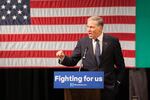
x,y
100,38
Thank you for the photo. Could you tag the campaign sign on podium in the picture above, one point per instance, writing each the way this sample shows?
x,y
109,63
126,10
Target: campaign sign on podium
x,y
82,80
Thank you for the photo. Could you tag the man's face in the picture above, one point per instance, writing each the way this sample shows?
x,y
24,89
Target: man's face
x,y
93,29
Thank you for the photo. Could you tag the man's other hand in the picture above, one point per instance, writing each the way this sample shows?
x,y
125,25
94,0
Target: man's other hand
x,y
60,54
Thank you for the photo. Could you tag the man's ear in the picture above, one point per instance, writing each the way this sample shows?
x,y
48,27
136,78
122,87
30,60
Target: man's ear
x,y
101,27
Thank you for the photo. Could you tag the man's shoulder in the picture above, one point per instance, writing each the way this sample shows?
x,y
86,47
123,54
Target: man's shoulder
x,y
110,37
84,39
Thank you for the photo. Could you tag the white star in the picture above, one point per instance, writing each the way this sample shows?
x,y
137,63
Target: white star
x,y
14,7
24,6
25,17
19,12
3,17
8,1
3,6
8,12
19,1
14,17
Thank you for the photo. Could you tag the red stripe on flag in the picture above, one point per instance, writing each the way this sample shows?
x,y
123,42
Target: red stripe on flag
x,y
124,36
40,37
58,37
63,67
81,20
66,67
54,67
31,54
129,53
80,3
47,54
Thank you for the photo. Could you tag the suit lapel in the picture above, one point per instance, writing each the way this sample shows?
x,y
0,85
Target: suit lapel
x,y
105,44
90,48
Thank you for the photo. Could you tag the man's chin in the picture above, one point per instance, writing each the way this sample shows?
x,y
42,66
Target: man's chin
x,y
91,37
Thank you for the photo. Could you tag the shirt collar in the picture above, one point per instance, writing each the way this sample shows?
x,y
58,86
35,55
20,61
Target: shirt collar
x,y
100,38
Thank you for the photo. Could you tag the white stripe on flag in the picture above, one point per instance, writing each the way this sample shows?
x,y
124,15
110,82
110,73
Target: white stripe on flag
x,y
130,62
59,29
29,62
101,11
126,45
44,62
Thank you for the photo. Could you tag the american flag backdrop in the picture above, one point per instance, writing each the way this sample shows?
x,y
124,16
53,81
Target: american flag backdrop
x,y
32,31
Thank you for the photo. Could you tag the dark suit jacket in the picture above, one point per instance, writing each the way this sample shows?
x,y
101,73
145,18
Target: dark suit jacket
x,y
112,62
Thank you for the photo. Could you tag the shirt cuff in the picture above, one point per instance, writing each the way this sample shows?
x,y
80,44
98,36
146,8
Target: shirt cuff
x,y
61,59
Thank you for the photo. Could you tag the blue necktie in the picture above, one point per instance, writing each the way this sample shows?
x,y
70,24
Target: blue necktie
x,y
97,52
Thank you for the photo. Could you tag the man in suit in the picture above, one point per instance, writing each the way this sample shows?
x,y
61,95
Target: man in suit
x,y
109,59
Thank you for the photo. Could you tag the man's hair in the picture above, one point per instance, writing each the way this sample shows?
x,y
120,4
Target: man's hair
x,y
98,19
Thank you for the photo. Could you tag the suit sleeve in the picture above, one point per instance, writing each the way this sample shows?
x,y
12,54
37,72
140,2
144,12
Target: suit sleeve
x,y
74,58
119,61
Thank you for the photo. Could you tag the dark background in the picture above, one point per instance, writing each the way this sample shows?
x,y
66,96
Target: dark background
x,y
37,84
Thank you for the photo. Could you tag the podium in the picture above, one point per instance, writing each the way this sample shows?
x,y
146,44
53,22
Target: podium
x,y
80,85
82,94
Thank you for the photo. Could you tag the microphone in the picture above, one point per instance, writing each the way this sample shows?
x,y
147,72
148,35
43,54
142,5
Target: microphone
x,y
85,51
84,56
